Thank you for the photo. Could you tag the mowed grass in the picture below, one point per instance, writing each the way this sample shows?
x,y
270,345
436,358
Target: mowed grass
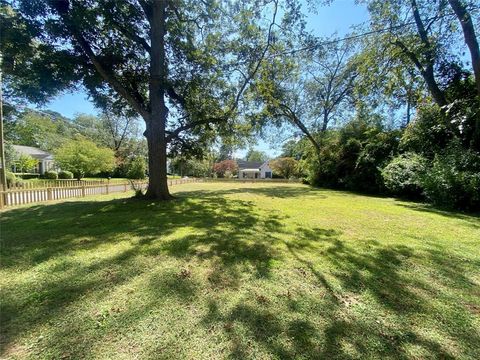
x,y
247,271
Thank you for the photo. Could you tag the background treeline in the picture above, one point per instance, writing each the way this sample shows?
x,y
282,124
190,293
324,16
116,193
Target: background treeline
x,y
114,139
429,159
392,108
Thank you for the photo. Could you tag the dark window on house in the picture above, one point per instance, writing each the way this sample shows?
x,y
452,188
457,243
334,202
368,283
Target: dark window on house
x,y
268,174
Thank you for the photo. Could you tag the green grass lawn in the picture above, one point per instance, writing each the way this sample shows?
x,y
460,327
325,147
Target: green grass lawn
x,y
247,271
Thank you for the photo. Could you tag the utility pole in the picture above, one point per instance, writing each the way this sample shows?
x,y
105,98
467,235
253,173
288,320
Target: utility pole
x,y
3,174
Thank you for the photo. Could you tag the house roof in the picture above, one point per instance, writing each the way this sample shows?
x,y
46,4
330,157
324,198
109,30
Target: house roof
x,y
242,164
34,152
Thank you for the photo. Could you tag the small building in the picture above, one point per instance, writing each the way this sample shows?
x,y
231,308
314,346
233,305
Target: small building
x,y
45,159
254,170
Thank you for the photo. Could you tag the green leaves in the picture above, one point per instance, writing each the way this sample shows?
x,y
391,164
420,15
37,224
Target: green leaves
x,y
82,157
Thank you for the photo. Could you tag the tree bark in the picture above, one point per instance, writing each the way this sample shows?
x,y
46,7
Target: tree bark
x,y
156,121
470,38
408,109
437,94
427,74
325,121
427,70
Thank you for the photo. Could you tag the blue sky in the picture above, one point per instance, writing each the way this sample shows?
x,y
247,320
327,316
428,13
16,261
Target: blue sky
x,y
338,17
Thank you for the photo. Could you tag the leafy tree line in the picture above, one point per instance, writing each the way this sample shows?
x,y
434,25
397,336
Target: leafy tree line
x,y
83,136
199,71
393,108
426,160
182,66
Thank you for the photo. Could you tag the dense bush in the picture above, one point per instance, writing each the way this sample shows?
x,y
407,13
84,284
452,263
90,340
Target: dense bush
x,y
453,180
65,175
182,166
82,157
51,175
225,168
402,175
12,180
24,176
137,169
321,170
351,158
374,154
428,133
286,167
25,163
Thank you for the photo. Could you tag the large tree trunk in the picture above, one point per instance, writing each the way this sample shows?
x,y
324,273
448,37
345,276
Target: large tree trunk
x,y
427,74
427,70
437,94
470,37
471,40
409,104
325,121
155,129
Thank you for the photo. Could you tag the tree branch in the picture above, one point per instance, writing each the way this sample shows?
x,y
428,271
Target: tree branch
x,y
244,85
108,76
132,36
147,9
176,96
410,55
291,115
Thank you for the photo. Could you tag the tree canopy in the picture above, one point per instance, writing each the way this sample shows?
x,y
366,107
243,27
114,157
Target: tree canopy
x,y
182,66
82,157
209,75
255,155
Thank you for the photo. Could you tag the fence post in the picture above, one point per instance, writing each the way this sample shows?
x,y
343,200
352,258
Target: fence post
x,y
83,190
49,194
125,187
2,194
106,186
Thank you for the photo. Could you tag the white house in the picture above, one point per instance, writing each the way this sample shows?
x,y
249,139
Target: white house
x,y
254,170
45,159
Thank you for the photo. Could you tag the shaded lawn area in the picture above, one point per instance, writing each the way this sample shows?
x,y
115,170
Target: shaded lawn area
x,y
240,271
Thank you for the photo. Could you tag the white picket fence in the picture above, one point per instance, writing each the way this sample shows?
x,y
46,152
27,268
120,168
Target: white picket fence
x,y
22,196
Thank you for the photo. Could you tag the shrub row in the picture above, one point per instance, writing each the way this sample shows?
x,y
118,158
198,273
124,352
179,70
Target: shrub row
x,y
432,159
53,175
452,179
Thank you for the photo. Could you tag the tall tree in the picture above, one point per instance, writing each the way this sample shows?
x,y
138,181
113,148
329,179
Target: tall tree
x,y
176,66
119,129
308,90
42,129
385,82
415,30
331,83
463,15
82,156
281,94
255,155
119,132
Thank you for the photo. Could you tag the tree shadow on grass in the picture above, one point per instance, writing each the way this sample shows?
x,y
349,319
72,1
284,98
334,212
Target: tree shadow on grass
x,y
274,191
327,299
52,239
471,219
330,321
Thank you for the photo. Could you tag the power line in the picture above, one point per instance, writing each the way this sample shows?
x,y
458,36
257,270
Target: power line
x,y
353,37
